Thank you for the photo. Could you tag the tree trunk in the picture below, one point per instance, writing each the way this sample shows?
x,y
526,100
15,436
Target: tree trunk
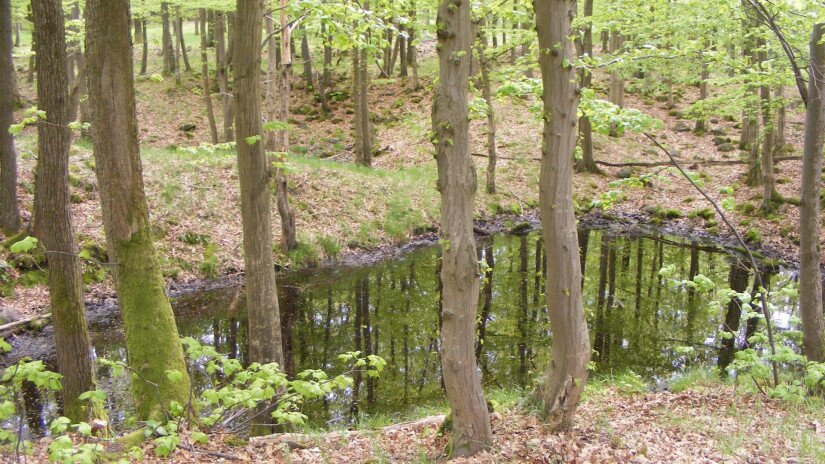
x,y
152,340
138,26
412,53
230,39
52,214
16,33
703,95
810,277
206,88
325,80
779,139
222,76
271,105
484,65
363,125
306,58
145,54
167,46
404,61
459,272
9,213
567,373
587,163
261,291
182,42
769,193
288,236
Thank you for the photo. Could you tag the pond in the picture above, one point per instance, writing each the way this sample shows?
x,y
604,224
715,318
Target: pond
x,y
638,321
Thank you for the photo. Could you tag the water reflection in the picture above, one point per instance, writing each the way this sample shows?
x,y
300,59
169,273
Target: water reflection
x,y
637,320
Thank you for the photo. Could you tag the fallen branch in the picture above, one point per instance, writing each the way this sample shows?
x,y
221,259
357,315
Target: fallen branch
x,y
302,440
762,289
14,327
643,164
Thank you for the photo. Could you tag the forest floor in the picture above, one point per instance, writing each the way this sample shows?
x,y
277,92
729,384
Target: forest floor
x,y
704,423
343,209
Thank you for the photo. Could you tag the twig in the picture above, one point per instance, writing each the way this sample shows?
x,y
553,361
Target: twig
x,y
762,289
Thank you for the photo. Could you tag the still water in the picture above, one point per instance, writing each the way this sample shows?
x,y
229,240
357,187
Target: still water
x,y
392,309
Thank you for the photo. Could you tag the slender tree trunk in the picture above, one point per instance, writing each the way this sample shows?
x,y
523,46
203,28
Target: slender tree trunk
x,y
403,60
306,58
145,53
271,105
703,95
288,236
182,42
16,33
363,125
222,76
261,291
412,53
587,163
9,213
152,340
810,277
484,65
52,214
325,80
167,46
779,139
769,193
138,25
567,373
206,88
230,39
457,183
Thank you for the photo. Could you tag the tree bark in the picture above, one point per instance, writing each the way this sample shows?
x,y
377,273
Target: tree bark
x,y
810,277
325,81
459,272
152,340
703,94
206,88
52,214
9,213
261,291
567,373
166,41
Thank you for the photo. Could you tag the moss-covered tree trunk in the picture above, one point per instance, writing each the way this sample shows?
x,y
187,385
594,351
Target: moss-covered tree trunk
x,y
145,49
152,342
52,215
570,355
9,213
261,292
810,275
471,431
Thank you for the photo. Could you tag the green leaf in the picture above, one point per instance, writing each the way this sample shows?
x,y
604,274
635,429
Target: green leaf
x,y
24,246
252,140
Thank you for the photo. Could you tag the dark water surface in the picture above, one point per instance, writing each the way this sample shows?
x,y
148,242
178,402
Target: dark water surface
x,y
637,321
